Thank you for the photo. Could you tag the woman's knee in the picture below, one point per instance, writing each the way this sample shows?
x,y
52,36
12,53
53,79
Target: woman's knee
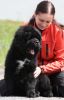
x,y
59,80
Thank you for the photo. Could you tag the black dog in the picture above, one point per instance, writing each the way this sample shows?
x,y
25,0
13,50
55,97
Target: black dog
x,y
17,52
24,72
25,47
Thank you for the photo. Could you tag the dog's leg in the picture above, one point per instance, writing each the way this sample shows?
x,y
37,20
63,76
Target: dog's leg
x,y
31,88
44,86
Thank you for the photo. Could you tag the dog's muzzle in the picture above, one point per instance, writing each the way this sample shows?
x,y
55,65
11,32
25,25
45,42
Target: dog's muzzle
x,y
33,46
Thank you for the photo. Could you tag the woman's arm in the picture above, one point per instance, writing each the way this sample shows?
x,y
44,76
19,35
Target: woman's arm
x,y
57,64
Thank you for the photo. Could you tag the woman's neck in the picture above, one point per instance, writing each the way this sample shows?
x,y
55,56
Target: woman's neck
x,y
37,27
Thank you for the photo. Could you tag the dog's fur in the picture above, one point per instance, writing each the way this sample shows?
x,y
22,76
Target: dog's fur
x,y
19,78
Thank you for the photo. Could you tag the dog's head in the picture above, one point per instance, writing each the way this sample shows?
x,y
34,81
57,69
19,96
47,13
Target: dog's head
x,y
33,47
32,37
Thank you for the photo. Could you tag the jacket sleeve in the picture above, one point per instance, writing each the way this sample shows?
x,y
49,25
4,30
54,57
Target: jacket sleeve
x,y
57,64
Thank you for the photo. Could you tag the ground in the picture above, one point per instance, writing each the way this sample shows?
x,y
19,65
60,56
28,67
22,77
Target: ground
x,y
24,98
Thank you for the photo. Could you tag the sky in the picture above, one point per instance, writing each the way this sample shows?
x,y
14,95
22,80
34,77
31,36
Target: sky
x,y
22,10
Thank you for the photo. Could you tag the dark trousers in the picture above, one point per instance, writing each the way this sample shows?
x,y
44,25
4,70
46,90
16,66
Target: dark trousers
x,y
57,82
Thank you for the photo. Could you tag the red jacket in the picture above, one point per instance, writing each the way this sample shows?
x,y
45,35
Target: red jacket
x,y
51,57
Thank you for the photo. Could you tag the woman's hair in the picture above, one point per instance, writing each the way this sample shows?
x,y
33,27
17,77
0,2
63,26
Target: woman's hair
x,y
43,7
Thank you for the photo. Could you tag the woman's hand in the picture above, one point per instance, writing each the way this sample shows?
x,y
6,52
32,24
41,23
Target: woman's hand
x,y
37,72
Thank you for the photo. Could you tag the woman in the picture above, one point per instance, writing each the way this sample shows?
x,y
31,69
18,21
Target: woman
x,y
51,58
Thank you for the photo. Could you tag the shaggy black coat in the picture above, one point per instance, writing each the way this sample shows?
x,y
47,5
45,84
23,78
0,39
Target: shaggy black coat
x,y
20,81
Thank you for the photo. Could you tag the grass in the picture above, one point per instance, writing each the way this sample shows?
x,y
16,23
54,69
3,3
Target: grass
x,y
7,30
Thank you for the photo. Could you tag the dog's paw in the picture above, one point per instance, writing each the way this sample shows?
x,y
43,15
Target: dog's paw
x,y
33,94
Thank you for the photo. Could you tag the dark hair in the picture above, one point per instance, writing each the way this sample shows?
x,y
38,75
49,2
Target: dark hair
x,y
44,7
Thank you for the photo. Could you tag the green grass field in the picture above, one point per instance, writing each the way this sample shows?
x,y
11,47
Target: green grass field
x,y
7,30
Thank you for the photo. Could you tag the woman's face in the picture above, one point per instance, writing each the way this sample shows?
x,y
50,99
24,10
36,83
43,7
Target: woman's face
x,y
43,20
